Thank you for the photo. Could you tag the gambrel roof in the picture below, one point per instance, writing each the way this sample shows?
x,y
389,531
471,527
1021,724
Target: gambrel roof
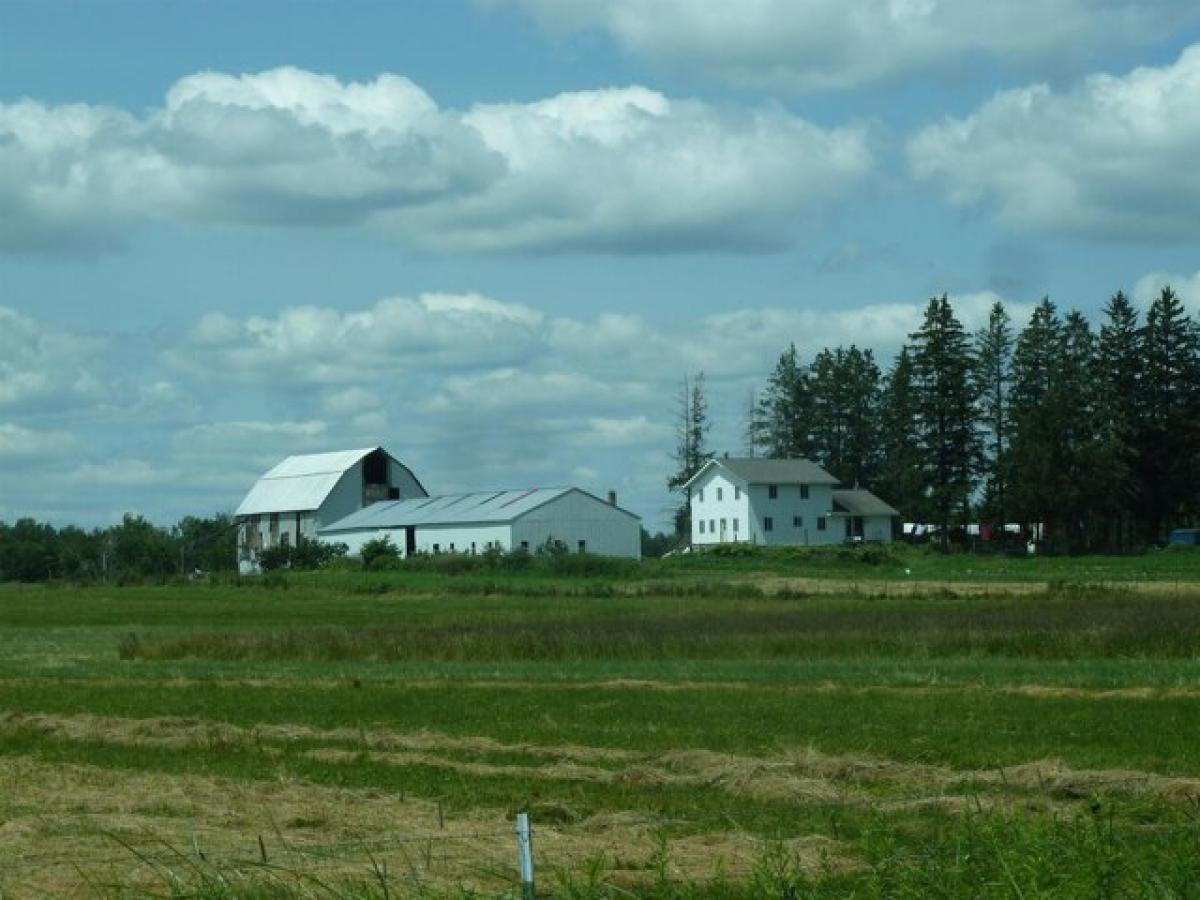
x,y
301,483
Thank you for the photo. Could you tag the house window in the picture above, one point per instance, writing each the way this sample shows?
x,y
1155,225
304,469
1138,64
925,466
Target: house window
x,y
820,523
700,497
804,492
720,494
722,527
797,521
712,526
437,548
735,526
737,493
768,524
702,526
472,548
583,546
772,491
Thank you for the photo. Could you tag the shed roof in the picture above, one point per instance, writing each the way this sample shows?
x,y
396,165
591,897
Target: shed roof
x,y
771,471
861,502
477,508
300,482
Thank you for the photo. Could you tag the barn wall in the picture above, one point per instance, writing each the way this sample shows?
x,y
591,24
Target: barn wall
x,y
459,538
576,516
345,498
726,519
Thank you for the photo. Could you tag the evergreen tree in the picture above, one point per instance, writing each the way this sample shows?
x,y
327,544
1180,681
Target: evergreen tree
x,y
1036,451
900,479
1118,377
844,386
691,446
785,409
993,365
1168,437
945,393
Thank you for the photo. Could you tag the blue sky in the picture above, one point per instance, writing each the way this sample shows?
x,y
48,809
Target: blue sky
x,y
494,236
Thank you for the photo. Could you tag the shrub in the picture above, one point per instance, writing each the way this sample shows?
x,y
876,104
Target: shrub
x,y
379,553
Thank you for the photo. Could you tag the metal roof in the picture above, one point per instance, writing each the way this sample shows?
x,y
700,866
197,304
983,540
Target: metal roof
x,y
771,471
861,502
299,483
481,507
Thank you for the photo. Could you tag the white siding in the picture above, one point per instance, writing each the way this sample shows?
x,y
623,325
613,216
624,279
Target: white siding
x,y
789,504
576,516
734,504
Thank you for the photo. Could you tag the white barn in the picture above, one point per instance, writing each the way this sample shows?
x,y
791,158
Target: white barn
x,y
503,520
305,493
781,502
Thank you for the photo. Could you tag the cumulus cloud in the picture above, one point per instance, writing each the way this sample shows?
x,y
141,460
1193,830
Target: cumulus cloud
x,y
612,170
47,368
805,45
18,442
1113,157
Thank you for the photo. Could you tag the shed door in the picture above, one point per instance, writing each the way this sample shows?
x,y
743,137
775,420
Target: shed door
x,y
410,540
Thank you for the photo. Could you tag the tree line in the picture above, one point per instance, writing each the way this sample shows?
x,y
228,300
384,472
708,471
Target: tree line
x,y
134,550
1087,436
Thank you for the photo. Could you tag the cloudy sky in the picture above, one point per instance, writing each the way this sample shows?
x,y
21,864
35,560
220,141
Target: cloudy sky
x,y
495,235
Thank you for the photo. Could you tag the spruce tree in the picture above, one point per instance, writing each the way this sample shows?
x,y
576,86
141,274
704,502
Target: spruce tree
x,y
900,479
844,387
1118,377
942,365
993,372
785,409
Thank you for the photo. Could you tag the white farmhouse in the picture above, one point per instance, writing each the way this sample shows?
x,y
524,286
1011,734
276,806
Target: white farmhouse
x,y
778,502
501,520
304,493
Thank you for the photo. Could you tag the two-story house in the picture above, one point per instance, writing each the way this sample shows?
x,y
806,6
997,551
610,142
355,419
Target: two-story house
x,y
778,502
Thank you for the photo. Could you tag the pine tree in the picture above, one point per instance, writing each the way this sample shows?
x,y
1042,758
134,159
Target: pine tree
x,y
1168,437
1118,376
993,372
785,409
945,392
691,446
844,386
900,479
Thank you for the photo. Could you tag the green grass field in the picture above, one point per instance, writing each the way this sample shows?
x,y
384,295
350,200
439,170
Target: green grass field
x,y
795,725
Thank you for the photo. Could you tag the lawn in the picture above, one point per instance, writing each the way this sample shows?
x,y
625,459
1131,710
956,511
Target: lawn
x,y
689,728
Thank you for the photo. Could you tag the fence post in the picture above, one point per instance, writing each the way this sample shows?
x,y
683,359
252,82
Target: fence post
x,y
525,855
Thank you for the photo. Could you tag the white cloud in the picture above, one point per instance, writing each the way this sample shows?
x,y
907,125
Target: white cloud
x,y
1112,157
805,45
119,473
1149,286
618,169
17,442
44,368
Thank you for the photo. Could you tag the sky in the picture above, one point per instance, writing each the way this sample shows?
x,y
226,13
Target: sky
x,y
495,236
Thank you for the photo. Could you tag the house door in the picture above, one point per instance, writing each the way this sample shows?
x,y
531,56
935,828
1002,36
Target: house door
x,y
410,541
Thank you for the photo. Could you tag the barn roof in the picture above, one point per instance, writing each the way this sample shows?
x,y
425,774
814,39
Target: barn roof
x,y
300,482
771,471
861,502
478,508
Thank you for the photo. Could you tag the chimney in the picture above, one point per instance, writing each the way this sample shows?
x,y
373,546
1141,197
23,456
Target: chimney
x,y
612,498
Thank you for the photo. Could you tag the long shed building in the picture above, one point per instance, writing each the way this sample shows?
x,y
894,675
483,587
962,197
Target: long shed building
x,y
503,520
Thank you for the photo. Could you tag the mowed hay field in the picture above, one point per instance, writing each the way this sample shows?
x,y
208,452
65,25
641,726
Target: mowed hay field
x,y
824,727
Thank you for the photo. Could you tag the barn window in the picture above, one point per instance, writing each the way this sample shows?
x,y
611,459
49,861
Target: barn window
x,y
524,545
797,521
452,546
820,523
720,494
437,548
285,539
804,492
583,546
772,491
768,524
472,548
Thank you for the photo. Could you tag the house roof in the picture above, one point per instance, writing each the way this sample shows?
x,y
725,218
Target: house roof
x,y
861,502
770,471
300,482
478,508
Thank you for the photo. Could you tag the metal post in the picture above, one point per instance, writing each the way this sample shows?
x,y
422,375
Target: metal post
x,y
525,855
